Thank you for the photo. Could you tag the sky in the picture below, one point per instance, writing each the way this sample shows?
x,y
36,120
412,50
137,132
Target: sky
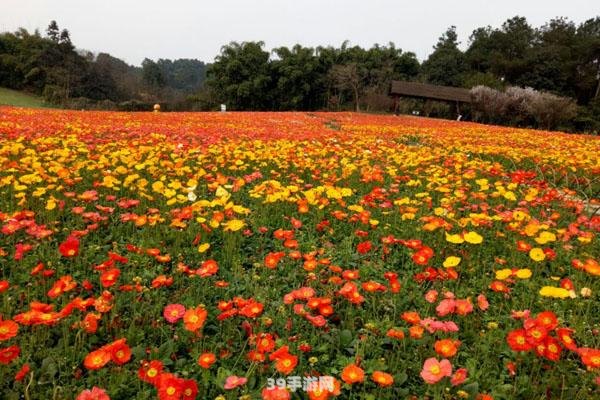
x,y
133,30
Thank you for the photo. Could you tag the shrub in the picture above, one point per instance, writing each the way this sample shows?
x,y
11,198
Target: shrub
x,y
522,107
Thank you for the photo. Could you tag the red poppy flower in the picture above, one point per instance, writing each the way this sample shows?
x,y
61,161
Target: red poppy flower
x,y
109,278
119,351
189,389
8,354
150,371
364,247
590,357
70,247
536,334
517,340
22,373
547,319
552,349
564,335
170,387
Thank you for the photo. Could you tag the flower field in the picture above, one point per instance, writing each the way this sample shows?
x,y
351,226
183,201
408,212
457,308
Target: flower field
x,y
295,256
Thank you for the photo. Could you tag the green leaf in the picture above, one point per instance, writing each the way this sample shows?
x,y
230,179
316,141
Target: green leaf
x,y
472,389
400,378
345,338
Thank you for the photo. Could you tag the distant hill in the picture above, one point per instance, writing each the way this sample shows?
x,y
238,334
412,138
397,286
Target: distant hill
x,y
20,99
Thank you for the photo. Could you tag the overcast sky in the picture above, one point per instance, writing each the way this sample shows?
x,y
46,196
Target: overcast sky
x,y
133,29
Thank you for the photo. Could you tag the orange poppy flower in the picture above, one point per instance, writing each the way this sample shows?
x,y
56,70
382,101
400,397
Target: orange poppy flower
x,y
206,360
265,343
272,259
208,268
108,278
416,331
286,363
352,373
97,359
252,310
382,379
446,347
411,317
194,318
8,329
395,333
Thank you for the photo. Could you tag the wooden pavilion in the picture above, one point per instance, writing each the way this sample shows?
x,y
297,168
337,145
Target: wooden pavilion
x,y
429,92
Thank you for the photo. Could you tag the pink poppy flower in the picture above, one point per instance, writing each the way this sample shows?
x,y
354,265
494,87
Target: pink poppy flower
x,y
173,312
234,381
432,325
275,393
445,307
434,370
520,314
482,302
95,394
450,326
431,296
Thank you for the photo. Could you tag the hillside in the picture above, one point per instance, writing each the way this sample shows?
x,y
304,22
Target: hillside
x,y
20,99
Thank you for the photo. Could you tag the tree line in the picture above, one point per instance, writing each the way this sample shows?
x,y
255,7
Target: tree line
x,y
50,65
559,57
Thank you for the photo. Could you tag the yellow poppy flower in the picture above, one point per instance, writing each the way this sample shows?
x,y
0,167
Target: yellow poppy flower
x,y
503,274
473,238
233,225
203,247
537,254
456,239
554,292
523,273
451,262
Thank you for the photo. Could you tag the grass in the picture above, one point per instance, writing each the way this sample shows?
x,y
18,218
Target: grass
x,y
20,99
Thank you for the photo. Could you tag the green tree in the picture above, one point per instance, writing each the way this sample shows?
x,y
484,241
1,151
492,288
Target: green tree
x,y
53,32
241,76
298,79
447,65
587,46
551,61
152,74
503,52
